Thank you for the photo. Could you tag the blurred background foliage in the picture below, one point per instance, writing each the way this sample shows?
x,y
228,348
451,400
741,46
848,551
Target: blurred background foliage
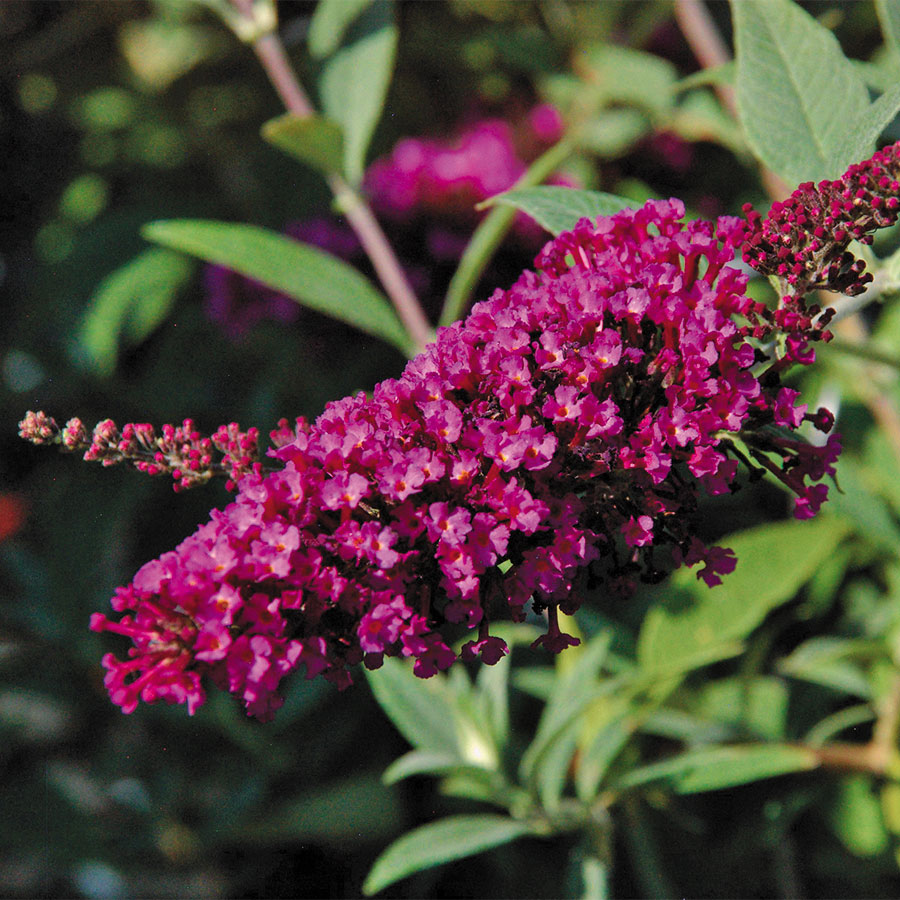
x,y
116,114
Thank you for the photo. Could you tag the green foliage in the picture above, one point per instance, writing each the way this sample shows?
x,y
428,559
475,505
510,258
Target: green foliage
x,y
693,618
796,91
354,81
129,304
314,140
329,22
304,273
558,209
442,841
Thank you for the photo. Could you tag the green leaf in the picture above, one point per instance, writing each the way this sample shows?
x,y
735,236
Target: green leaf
x,y
758,705
714,768
598,755
831,726
723,74
310,276
856,502
419,762
856,817
829,660
313,140
889,18
493,688
629,77
329,22
558,209
131,302
575,688
773,563
612,132
439,842
858,141
419,707
354,82
796,91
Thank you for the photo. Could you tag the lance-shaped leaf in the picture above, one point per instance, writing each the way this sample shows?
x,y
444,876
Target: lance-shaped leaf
x,y
797,93
311,277
354,82
439,842
130,302
774,561
329,22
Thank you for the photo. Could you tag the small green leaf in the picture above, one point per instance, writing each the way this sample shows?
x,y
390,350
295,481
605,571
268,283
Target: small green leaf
x,y
313,140
354,82
419,707
575,688
796,91
831,726
758,705
558,209
419,762
308,275
723,74
856,817
132,301
629,77
773,563
329,22
829,661
612,132
715,768
442,841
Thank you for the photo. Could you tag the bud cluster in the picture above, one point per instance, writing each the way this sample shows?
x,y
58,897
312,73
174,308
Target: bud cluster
x,y
560,436
182,452
804,240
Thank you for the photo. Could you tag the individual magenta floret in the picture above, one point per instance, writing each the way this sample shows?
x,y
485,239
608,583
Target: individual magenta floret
x,y
561,435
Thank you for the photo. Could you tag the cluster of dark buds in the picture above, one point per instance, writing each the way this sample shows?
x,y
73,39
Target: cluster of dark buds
x,y
804,241
180,451
561,436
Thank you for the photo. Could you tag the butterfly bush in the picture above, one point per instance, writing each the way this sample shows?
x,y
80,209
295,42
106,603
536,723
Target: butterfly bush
x,y
558,438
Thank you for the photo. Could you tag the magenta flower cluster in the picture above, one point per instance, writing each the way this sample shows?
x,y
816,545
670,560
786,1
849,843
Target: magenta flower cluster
x,y
561,434
804,240
450,177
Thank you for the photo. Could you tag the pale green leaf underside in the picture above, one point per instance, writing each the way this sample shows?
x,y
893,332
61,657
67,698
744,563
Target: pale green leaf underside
x,y
311,277
796,90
